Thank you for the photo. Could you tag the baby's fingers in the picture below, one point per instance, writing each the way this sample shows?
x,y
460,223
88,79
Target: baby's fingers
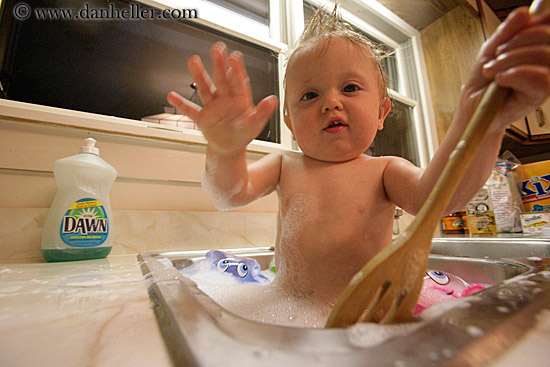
x,y
220,66
183,105
238,79
264,110
205,88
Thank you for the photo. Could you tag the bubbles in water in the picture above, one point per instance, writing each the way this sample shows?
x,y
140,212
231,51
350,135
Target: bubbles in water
x,y
217,194
503,294
503,309
267,303
370,334
261,353
475,331
447,353
433,356
543,321
527,283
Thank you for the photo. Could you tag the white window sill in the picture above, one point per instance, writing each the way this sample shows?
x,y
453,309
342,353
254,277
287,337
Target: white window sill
x,y
33,113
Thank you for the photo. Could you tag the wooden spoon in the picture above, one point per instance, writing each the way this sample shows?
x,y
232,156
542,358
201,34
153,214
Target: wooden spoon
x,y
387,288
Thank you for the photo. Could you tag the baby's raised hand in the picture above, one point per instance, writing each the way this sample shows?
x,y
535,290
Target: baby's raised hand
x,y
517,57
229,120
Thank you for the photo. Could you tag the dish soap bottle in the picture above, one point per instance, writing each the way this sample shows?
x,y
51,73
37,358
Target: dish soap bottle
x,y
79,224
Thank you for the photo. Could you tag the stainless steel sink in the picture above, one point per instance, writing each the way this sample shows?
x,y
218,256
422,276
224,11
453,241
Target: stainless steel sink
x,y
492,247
198,332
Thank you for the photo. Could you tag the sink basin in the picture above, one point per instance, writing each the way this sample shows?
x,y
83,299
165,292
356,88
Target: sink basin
x,y
492,247
198,332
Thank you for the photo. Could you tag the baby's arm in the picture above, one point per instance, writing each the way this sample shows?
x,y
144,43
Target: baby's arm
x,y
517,57
229,121
232,183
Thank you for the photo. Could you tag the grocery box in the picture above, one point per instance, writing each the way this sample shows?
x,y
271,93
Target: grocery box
x,y
533,222
535,186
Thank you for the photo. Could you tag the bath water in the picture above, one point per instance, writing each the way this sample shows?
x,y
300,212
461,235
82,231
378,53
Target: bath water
x,y
272,304
266,303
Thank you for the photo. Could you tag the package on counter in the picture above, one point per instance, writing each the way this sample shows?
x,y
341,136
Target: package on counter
x,y
481,217
453,223
535,186
505,197
533,222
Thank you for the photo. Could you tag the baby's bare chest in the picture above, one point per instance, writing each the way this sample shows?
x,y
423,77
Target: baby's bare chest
x,y
351,192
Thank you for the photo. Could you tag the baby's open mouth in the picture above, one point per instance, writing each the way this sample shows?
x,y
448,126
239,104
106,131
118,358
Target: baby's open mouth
x,y
335,125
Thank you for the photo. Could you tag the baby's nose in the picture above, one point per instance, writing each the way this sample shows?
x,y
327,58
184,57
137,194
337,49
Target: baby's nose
x,y
331,103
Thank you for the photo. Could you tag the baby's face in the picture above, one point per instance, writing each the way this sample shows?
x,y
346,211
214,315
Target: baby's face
x,y
334,100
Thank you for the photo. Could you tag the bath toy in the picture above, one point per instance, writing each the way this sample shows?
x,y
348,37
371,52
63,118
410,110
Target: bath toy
x,y
440,287
243,269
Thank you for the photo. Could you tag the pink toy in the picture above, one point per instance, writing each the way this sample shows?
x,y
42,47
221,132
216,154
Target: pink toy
x,y
443,287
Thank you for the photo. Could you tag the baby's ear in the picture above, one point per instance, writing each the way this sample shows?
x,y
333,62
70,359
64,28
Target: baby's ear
x,y
288,123
383,110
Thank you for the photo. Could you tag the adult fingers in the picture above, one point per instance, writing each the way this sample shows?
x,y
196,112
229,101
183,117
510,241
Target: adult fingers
x,y
535,35
533,55
531,81
516,21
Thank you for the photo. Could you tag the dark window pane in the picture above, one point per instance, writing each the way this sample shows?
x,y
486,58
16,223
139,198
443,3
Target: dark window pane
x,y
120,68
397,137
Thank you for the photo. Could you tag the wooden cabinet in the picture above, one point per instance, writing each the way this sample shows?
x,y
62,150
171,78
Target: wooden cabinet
x,y
539,123
451,44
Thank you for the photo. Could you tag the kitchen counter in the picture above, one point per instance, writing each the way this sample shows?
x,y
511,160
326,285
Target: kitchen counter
x,y
98,313
87,313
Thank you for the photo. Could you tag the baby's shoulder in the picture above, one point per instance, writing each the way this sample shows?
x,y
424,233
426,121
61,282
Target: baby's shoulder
x,y
291,154
388,167
290,158
378,161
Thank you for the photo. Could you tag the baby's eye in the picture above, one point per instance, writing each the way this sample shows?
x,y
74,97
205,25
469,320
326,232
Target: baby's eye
x,y
309,95
350,88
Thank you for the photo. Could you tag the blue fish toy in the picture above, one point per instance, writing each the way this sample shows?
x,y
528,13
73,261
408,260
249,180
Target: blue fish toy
x,y
246,270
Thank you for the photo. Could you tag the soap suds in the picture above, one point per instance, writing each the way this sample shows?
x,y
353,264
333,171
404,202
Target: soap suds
x,y
267,303
369,334
543,320
474,331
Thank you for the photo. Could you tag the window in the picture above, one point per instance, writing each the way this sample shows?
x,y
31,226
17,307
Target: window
x,y
257,10
119,68
125,68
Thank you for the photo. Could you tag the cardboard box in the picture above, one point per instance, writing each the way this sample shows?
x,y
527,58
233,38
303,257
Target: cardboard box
x,y
533,222
535,186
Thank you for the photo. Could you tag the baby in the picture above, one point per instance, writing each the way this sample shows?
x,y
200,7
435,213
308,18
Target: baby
x,y
336,203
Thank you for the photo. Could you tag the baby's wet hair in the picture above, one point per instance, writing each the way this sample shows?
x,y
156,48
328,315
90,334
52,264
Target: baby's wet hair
x,y
325,25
